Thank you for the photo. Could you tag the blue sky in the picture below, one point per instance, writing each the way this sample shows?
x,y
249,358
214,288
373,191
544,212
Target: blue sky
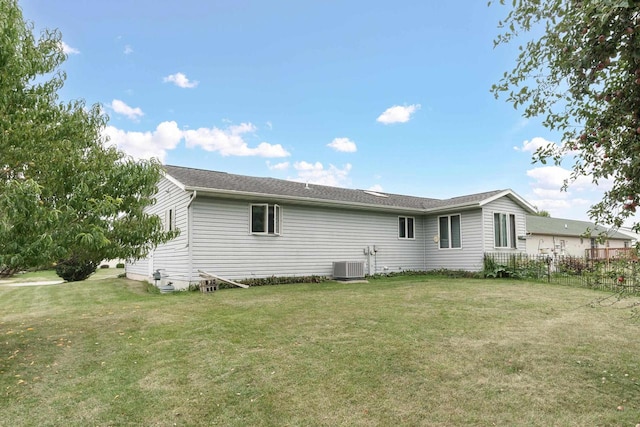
x,y
389,96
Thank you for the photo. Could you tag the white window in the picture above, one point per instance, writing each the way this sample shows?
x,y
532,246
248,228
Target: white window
x,y
265,219
406,227
504,227
449,232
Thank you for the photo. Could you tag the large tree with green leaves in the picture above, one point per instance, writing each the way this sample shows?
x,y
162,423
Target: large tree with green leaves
x,y
66,196
579,70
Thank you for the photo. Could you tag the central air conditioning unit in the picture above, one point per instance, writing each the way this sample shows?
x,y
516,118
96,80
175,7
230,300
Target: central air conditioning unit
x,y
348,269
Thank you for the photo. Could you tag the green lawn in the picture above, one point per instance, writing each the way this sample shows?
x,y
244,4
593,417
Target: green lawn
x,y
396,351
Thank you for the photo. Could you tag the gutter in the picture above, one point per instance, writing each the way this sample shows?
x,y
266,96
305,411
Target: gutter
x,y
452,208
189,251
193,197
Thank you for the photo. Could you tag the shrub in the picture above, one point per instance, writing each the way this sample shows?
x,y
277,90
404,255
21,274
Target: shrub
x,y
120,265
73,269
454,274
441,272
104,266
492,268
571,265
6,271
273,280
514,266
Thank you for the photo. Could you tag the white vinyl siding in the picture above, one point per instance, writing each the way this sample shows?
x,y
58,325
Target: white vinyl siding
x,y
515,227
216,236
315,237
549,244
468,256
173,256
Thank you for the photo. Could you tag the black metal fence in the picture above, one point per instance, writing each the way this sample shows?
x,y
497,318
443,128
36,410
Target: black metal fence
x,y
620,275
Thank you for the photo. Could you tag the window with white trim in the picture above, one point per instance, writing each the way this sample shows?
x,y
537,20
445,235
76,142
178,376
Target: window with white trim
x,y
170,219
504,227
449,232
265,219
406,227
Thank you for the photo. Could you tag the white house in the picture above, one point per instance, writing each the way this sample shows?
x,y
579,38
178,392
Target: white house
x,y
240,227
559,236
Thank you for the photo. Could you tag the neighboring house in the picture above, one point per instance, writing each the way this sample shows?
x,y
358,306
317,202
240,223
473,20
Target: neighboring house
x,y
628,231
240,227
557,236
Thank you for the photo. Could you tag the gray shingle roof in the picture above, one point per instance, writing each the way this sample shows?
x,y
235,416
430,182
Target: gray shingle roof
x,y
213,181
568,227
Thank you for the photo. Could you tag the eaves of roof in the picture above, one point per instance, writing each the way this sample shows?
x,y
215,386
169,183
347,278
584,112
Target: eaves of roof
x,y
451,204
235,194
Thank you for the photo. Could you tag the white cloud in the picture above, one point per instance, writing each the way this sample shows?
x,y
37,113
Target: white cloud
x,y
68,49
344,145
540,142
398,114
121,108
145,145
573,203
181,80
230,142
547,193
376,187
553,177
167,136
534,144
278,166
128,50
550,177
315,173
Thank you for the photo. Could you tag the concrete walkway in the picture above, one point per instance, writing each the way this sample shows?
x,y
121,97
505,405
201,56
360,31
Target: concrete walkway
x,y
41,283
100,274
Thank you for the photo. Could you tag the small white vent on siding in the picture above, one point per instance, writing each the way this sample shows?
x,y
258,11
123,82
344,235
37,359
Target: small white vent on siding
x,y
348,269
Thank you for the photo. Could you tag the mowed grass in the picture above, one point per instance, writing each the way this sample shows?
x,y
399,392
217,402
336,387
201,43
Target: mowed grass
x,y
399,351
50,275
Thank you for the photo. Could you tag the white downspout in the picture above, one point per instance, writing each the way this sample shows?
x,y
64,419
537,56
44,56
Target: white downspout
x,y
189,234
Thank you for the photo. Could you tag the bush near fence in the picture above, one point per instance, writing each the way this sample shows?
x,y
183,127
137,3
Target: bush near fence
x,y
517,266
620,275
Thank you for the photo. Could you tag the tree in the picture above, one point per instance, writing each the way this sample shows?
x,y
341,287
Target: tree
x,y
580,73
66,196
542,213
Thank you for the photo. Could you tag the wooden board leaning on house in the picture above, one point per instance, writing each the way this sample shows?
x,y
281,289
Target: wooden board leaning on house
x,y
213,276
